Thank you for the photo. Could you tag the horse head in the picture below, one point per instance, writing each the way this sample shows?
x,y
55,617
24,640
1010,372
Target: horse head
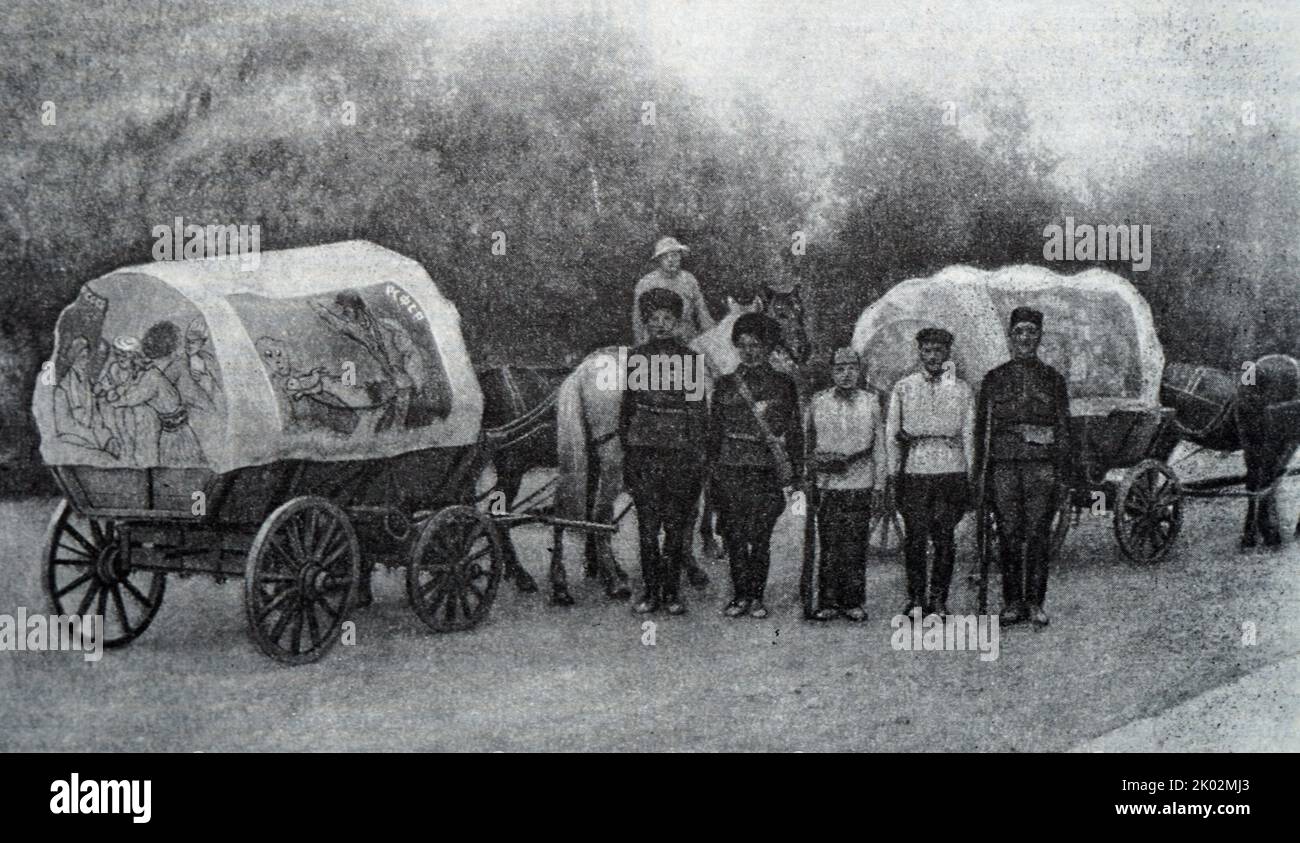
x,y
787,310
1272,379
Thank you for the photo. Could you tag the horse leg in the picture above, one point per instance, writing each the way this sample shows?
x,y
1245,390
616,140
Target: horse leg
x,y
1248,529
1267,516
509,479
559,578
591,565
606,482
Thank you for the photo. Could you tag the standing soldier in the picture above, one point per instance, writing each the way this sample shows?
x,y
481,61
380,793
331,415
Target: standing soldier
x,y
662,427
695,318
1023,419
755,451
930,435
846,435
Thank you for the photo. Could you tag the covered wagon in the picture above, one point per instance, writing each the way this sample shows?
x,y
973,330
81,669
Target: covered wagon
x,y
202,417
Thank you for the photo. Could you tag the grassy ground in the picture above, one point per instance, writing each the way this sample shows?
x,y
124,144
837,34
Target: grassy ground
x,y
1125,643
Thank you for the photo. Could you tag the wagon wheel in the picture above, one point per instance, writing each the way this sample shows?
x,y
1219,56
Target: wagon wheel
x,y
455,568
301,580
1148,511
88,568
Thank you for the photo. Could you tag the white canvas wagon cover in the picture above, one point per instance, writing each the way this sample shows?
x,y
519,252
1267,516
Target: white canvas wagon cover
x,y
335,352
1097,331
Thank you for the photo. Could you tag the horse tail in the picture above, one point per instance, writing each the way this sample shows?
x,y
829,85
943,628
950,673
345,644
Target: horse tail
x,y
572,499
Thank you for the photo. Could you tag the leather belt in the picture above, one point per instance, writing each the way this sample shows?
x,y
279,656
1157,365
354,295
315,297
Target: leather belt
x,y
1035,434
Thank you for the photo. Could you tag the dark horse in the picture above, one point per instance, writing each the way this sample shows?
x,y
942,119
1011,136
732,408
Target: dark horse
x,y
510,393
1253,413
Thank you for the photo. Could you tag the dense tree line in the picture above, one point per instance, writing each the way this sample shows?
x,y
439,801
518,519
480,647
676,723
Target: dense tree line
x,y
571,140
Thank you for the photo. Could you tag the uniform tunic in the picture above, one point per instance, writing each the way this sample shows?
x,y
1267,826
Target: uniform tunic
x,y
746,487
1024,408
662,431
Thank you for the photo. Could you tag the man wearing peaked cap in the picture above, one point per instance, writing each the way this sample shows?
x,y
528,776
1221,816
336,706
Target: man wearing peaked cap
x,y
1022,438
930,431
669,275
846,437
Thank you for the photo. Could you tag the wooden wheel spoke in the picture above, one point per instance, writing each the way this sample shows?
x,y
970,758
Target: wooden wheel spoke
x,y
120,605
275,602
103,600
91,549
332,613
286,556
464,604
451,601
78,581
88,597
435,586
313,628
85,556
98,532
338,553
295,641
327,538
295,541
139,595
278,629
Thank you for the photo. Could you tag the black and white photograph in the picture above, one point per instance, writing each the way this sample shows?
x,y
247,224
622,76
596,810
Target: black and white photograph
x,y
651,376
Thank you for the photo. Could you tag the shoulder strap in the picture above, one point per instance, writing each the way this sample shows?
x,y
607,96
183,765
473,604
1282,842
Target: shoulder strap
x,y
743,389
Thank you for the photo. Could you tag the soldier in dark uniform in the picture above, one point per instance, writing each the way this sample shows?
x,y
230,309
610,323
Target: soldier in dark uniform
x,y
1023,418
662,426
750,467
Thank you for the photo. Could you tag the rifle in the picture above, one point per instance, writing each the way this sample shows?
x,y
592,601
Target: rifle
x,y
810,571
981,512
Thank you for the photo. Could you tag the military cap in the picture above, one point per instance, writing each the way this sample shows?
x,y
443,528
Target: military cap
x,y
1026,314
938,335
845,354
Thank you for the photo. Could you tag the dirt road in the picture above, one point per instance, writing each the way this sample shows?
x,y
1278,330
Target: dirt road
x,y
1125,643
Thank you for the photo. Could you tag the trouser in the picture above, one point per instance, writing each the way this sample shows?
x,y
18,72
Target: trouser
x,y
1024,503
665,486
931,505
750,501
843,524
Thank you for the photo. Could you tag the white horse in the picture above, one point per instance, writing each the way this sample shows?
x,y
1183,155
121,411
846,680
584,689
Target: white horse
x,y
590,475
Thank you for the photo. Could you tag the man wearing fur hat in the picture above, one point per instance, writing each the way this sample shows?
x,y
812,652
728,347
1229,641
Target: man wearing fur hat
x,y
662,428
669,275
1023,415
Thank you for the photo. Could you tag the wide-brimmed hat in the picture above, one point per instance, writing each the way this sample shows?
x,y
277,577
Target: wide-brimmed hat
x,y
666,245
